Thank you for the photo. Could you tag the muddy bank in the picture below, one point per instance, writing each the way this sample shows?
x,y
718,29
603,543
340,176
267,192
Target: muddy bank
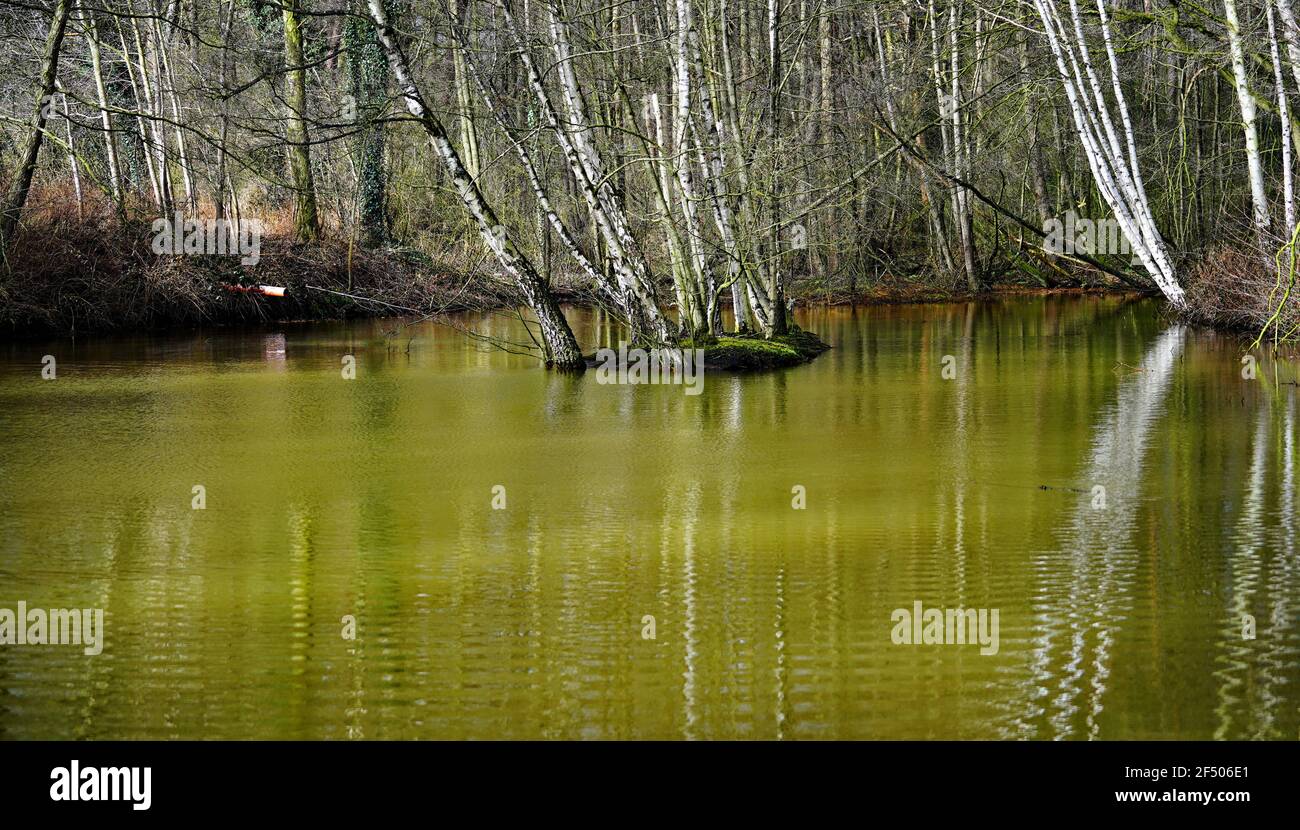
x,y
79,278
88,277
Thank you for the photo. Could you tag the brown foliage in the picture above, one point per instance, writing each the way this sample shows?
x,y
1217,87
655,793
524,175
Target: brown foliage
x,y
1233,287
66,272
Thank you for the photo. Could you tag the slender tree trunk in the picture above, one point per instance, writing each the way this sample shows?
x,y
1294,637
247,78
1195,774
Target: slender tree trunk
x,y
306,222
573,133
1037,176
223,81
156,140
21,181
608,286
961,154
106,118
146,146
460,12
368,74
1284,115
72,158
182,151
557,337
701,308
938,234
776,286
1116,175
1291,34
1254,166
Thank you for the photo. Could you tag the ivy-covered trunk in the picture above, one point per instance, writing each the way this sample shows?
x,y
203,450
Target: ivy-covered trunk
x,y
368,76
306,222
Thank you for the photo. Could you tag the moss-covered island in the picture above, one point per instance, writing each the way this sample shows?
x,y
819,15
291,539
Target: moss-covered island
x,y
747,352
744,352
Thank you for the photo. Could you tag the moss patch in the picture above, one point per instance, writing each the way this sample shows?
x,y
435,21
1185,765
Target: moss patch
x,y
752,353
746,353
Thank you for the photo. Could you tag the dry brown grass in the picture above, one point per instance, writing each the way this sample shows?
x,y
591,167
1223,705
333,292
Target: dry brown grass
x,y
70,270
1233,287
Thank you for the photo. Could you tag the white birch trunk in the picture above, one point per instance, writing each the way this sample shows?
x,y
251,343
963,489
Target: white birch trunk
x,y
106,119
559,340
142,130
1290,34
182,152
612,291
1255,168
1114,171
1284,114
700,311
572,135
961,155
72,156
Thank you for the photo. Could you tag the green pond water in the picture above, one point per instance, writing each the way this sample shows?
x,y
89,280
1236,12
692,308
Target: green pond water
x,y
374,497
